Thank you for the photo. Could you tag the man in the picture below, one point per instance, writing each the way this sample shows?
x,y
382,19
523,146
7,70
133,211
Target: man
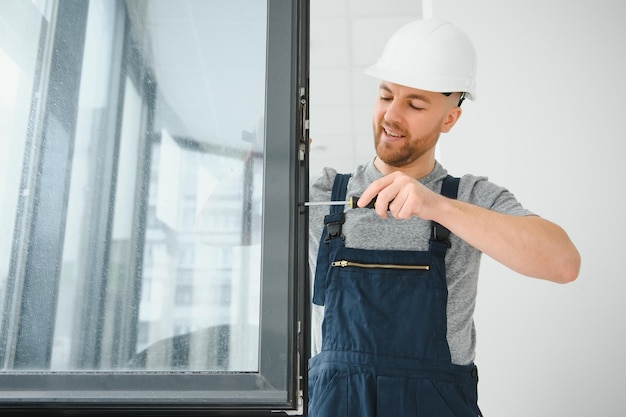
x,y
395,286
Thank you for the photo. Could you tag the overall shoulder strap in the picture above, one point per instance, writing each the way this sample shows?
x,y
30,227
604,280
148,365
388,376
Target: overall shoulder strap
x,y
450,186
334,220
450,189
340,189
333,223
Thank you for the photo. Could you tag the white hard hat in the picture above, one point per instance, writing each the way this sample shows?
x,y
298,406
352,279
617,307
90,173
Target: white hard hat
x,y
431,55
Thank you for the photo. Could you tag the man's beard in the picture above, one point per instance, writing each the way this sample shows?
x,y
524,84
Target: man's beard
x,y
394,156
400,155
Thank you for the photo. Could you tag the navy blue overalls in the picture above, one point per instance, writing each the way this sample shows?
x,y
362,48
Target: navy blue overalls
x,y
384,347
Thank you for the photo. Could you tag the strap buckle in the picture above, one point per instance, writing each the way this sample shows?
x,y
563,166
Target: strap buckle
x,y
441,234
334,225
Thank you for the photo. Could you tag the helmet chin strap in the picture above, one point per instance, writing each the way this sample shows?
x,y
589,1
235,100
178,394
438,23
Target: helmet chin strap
x,y
461,100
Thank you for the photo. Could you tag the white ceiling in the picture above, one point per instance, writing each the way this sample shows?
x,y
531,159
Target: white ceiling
x,y
347,36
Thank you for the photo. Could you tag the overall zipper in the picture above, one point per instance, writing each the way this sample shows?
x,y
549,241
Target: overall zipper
x,y
344,263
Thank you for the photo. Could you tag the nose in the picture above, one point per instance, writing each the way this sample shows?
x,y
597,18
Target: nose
x,y
393,112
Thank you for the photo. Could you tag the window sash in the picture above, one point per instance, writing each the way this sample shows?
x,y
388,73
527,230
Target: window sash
x,y
283,345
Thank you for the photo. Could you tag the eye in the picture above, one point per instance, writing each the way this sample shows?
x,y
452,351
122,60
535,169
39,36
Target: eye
x,y
415,107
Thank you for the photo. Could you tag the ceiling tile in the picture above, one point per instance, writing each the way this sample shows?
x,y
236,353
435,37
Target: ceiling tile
x,y
370,35
364,87
385,8
326,8
331,120
330,86
330,43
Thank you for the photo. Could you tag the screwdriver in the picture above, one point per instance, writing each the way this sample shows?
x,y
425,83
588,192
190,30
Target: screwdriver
x,y
351,203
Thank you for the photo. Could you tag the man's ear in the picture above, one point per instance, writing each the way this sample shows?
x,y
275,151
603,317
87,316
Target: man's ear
x,y
450,119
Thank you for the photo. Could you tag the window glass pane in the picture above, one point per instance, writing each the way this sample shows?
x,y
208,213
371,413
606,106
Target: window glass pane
x,y
133,181
19,41
161,262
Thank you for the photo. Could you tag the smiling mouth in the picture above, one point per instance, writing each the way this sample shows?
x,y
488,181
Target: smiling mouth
x,y
392,134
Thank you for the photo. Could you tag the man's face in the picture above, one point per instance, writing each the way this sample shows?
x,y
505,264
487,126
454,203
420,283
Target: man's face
x,y
407,122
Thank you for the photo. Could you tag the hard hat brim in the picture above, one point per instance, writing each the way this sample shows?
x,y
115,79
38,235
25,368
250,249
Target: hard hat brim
x,y
426,82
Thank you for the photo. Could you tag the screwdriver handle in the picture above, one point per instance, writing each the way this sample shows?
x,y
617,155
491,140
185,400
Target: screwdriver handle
x,y
354,199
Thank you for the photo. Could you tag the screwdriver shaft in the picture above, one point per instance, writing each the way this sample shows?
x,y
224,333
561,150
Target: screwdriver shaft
x,y
351,203
326,203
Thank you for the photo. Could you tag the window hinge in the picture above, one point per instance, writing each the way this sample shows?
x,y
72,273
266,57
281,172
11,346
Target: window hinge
x,y
305,124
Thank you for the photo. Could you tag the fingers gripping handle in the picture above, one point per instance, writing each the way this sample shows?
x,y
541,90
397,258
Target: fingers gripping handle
x,y
354,199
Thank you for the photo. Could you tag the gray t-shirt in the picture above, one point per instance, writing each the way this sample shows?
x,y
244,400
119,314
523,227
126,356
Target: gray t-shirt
x,y
364,229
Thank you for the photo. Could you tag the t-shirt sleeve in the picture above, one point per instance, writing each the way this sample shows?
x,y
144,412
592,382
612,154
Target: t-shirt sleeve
x,y
482,192
319,190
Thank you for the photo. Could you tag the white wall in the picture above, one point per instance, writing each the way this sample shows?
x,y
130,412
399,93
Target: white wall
x,y
548,124
346,37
